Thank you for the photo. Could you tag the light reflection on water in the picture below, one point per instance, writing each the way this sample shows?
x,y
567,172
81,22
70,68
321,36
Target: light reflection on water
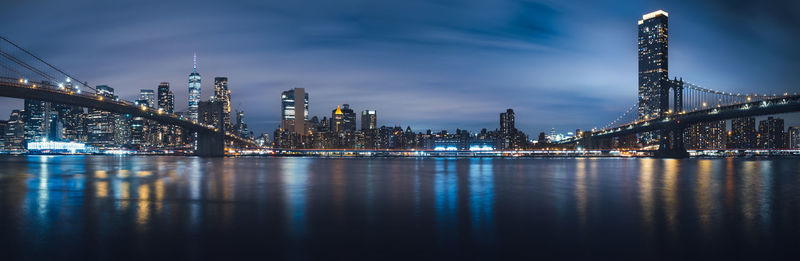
x,y
310,208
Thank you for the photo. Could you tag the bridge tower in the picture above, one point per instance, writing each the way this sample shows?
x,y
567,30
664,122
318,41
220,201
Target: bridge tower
x,y
671,142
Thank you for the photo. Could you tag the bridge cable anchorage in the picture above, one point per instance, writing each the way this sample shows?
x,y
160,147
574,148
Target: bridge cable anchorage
x,y
46,63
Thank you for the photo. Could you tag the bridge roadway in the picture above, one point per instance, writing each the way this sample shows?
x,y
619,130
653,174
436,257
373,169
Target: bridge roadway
x,y
784,104
16,88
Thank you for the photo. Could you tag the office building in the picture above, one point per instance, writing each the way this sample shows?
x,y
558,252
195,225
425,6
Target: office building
x,y
166,99
101,124
194,92
223,95
348,118
14,136
294,112
37,118
369,120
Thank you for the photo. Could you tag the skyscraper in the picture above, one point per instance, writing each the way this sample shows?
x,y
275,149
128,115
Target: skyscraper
x,y
653,46
101,124
369,120
241,126
36,118
149,96
223,95
348,119
743,133
15,132
770,133
166,100
291,108
794,137
507,122
337,120
507,130
194,92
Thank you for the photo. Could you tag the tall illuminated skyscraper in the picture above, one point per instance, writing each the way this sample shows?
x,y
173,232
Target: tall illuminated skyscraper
x,y
165,98
653,46
194,91
223,95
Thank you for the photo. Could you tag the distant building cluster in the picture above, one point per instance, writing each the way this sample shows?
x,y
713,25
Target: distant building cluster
x,y
341,130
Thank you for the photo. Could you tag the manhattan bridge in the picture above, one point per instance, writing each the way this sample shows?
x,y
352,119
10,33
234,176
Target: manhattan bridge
x,y
688,104
24,75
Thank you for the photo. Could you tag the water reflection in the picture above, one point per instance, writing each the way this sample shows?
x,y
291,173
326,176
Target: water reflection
x,y
446,191
481,199
458,207
294,176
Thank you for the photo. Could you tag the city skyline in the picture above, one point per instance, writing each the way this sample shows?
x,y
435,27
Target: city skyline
x,y
426,105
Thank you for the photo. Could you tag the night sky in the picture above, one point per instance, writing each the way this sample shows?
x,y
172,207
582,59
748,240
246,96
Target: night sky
x,y
429,64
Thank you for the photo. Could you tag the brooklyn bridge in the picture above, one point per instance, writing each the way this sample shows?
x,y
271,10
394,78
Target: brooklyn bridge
x,y
24,75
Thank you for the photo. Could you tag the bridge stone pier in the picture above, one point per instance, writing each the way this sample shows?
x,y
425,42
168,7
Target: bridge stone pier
x,y
671,142
210,144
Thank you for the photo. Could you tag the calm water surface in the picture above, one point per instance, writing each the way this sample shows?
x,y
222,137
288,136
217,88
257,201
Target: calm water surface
x,y
108,207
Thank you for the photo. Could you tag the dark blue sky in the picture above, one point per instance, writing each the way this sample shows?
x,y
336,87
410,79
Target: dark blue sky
x,y
428,64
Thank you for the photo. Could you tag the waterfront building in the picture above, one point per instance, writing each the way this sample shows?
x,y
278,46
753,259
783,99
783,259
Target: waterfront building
x,y
369,120
194,92
14,135
122,130
706,135
71,123
793,135
223,95
294,112
770,133
37,119
743,133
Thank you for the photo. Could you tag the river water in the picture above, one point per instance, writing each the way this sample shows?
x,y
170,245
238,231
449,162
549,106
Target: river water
x,y
112,207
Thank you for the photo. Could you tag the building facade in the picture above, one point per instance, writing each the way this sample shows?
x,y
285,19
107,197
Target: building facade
x,y
743,133
369,120
294,112
194,92
149,96
653,63
770,133
223,95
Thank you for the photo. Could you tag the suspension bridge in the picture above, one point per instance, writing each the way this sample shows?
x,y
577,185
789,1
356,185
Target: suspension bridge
x,y
690,104
24,75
